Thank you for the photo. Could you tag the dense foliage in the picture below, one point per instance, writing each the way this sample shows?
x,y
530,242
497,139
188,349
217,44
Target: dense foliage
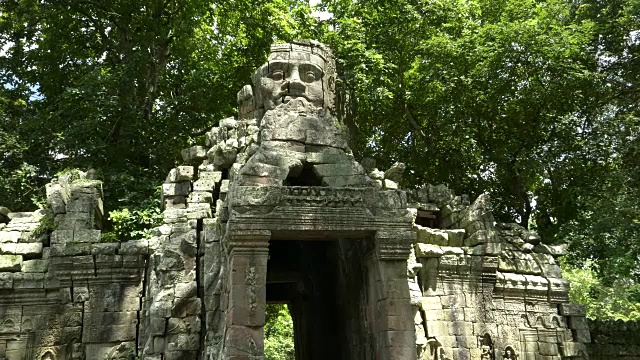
x,y
618,300
121,86
532,101
278,333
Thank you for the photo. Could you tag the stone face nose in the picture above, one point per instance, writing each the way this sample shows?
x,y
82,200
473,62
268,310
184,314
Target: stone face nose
x,y
295,84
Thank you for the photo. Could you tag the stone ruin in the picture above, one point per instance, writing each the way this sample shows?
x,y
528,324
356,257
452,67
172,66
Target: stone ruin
x,y
274,208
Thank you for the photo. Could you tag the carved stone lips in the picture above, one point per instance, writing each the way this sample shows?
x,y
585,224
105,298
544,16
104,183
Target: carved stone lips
x,y
288,97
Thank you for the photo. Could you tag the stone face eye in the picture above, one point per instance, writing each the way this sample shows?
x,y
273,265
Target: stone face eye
x,y
277,75
309,76
309,73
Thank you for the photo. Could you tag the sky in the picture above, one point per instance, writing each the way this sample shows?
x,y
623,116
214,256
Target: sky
x,y
321,15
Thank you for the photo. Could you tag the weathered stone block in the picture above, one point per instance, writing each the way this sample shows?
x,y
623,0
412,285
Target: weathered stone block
x,y
326,138
572,309
71,249
173,216
10,262
327,155
395,172
184,307
183,342
110,318
390,184
90,236
204,185
38,266
180,173
62,236
548,349
264,170
10,236
554,250
8,248
187,325
346,181
176,189
76,220
28,281
238,335
33,249
200,197
6,280
186,290
461,354
104,248
174,202
577,323
134,247
194,154
428,250
338,169
112,333
223,156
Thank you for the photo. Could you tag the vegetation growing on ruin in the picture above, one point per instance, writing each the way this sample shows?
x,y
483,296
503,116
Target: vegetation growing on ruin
x,y
278,333
534,102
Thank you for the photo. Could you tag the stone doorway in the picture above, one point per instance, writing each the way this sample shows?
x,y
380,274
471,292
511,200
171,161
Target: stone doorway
x,y
342,259
324,283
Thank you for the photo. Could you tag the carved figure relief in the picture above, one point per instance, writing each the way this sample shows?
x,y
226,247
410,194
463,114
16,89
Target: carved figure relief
x,y
486,347
48,356
124,351
509,353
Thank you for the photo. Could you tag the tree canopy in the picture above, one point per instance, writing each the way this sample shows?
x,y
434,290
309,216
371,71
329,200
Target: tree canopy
x,y
534,102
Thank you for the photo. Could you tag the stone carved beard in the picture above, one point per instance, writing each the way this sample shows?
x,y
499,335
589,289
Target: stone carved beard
x,y
298,77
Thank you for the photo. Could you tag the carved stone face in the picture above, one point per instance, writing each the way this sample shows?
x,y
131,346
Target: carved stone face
x,y
508,354
290,75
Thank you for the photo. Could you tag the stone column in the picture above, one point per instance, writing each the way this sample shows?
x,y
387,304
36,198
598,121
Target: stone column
x,y
393,316
249,252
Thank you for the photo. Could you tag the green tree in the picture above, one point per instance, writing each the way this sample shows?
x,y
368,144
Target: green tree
x,y
479,95
122,86
604,231
530,101
619,300
278,333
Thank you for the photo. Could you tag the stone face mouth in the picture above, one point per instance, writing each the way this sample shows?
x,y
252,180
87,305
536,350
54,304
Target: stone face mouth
x,y
286,98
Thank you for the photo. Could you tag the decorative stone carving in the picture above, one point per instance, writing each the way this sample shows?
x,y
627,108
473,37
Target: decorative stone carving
x,y
300,70
509,353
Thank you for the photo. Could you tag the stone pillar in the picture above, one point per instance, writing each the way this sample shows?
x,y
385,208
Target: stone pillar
x,y
393,316
248,255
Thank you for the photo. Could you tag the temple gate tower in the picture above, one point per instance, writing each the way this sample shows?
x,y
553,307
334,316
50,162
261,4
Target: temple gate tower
x,y
308,227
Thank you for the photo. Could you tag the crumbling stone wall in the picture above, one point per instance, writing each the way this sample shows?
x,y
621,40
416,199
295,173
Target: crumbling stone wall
x,y
483,290
614,340
67,294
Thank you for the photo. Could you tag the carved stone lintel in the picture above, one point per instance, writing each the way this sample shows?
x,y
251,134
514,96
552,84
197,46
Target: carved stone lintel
x,y
394,245
248,241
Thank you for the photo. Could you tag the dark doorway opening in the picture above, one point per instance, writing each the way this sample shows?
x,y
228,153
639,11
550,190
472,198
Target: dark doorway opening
x,y
304,176
328,288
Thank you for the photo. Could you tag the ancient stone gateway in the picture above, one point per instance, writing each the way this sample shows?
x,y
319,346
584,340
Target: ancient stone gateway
x,y
274,208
